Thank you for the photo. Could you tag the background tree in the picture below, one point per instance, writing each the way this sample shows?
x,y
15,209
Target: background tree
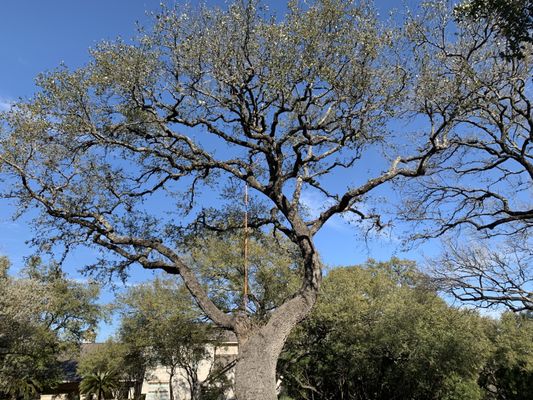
x,y
106,367
136,357
483,192
127,358
43,315
211,100
379,332
508,373
513,20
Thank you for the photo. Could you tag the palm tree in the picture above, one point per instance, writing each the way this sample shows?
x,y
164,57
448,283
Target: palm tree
x,y
99,383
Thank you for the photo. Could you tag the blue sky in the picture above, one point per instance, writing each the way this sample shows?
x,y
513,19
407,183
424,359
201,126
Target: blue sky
x,y
37,35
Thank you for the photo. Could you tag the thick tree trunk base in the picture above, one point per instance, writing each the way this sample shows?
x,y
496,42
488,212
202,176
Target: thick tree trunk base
x,y
255,372
260,347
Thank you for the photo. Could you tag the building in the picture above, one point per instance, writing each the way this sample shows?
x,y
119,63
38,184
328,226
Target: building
x,y
221,360
215,368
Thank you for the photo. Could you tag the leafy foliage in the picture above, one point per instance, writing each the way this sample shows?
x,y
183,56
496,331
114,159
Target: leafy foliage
x,y
273,262
100,384
42,316
508,374
513,19
378,332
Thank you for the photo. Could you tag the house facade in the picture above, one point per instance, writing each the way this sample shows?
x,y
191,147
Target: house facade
x,y
215,368
220,360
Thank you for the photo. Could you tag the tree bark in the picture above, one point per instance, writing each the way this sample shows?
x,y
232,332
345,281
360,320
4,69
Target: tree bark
x,y
137,389
170,383
255,372
196,392
259,349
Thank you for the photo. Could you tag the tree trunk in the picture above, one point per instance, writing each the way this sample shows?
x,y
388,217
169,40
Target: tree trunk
x,y
137,388
137,375
259,349
170,384
196,392
255,372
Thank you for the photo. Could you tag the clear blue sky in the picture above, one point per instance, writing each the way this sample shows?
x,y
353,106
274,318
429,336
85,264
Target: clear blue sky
x,y
37,35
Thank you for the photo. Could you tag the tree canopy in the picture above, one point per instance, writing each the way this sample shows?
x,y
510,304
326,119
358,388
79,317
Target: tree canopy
x,y
380,332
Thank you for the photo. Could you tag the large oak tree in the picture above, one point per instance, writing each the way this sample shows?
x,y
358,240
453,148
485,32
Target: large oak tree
x,y
127,153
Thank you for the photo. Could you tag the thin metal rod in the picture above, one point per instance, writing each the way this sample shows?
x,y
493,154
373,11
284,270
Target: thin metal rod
x,y
245,261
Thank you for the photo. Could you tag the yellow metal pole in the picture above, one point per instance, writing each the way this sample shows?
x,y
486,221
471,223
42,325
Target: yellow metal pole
x,y
245,286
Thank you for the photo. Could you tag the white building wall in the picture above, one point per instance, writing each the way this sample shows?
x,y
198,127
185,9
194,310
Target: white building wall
x,y
156,385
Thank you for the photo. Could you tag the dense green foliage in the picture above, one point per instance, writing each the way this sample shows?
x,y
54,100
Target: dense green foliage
x,y
43,318
513,20
379,331
509,371
274,265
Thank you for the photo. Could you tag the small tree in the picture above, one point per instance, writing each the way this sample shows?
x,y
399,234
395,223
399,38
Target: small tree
x,y
108,358
43,316
100,384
